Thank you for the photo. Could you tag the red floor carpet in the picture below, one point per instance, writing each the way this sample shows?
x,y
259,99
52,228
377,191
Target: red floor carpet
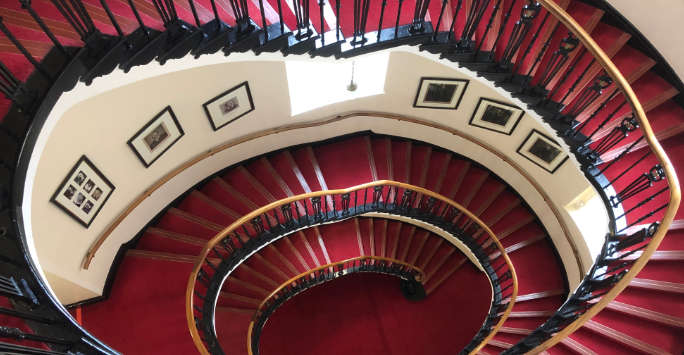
x,y
366,314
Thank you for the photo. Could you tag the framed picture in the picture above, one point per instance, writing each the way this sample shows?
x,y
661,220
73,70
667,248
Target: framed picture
x,y
83,192
496,116
229,106
443,93
156,137
543,151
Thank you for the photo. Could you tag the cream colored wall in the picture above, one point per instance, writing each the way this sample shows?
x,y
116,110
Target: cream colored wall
x,y
661,22
98,120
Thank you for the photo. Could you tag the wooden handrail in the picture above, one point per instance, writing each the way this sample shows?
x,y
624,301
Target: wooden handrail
x,y
671,176
90,254
246,218
294,279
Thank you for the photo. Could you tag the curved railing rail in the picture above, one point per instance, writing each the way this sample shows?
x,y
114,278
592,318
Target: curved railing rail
x,y
613,270
410,275
255,230
532,49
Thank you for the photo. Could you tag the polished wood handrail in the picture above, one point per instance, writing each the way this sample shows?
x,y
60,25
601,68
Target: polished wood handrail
x,y
90,254
421,276
247,218
671,176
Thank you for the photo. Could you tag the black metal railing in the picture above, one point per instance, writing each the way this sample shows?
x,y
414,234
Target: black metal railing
x,y
248,235
409,275
534,52
25,301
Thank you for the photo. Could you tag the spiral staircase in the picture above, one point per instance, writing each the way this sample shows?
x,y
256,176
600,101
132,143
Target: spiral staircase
x,y
297,250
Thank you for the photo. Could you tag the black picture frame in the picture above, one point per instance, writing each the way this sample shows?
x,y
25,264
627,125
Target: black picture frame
x,y
206,105
137,135
418,103
483,100
551,168
82,160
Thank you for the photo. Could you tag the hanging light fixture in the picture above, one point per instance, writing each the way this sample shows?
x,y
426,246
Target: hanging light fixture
x,y
352,85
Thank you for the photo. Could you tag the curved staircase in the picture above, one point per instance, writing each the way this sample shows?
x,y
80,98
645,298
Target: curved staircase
x,y
177,236
147,296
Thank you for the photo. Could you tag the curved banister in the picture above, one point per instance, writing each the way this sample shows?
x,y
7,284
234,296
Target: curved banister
x,y
216,240
93,62
420,275
100,240
655,147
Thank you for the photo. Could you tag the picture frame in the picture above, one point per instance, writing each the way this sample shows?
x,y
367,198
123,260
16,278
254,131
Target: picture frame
x,y
440,93
83,192
496,116
156,137
543,151
228,106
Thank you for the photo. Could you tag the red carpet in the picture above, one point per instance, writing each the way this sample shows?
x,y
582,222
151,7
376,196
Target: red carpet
x,y
366,314
149,288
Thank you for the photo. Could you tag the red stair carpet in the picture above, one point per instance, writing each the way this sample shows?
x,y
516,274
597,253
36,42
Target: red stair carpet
x,y
145,312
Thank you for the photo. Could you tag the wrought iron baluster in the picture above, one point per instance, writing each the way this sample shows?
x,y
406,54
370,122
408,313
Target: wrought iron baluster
x,y
26,4
557,60
595,113
539,57
71,19
264,26
452,28
194,13
382,16
477,10
162,11
23,50
643,202
566,75
9,84
489,26
619,157
377,195
345,198
519,62
439,19
419,14
589,95
112,19
138,18
396,24
641,183
321,7
604,122
615,136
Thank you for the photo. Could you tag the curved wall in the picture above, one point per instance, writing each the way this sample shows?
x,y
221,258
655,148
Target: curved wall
x,y
98,120
658,21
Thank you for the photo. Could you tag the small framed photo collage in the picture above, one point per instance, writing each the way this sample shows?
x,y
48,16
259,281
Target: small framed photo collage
x,y
83,192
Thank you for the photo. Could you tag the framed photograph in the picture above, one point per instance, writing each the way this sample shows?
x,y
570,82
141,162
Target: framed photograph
x,y
442,93
83,192
156,137
496,116
543,151
229,106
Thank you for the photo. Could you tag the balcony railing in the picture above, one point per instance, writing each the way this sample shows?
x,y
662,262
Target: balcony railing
x,y
534,52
